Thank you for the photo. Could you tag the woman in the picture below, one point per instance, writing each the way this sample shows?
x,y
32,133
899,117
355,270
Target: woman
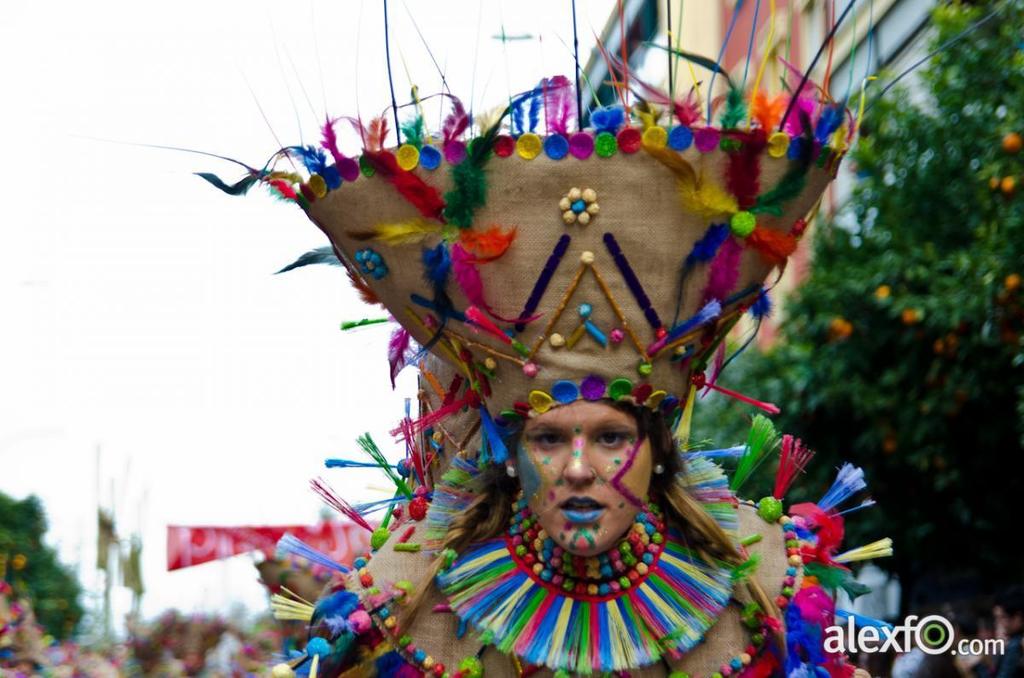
x,y
576,286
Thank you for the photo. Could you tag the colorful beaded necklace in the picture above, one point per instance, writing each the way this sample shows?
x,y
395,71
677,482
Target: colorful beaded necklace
x,y
606,574
648,598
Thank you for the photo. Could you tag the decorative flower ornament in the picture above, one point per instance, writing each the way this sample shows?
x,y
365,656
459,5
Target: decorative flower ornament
x,y
579,206
371,263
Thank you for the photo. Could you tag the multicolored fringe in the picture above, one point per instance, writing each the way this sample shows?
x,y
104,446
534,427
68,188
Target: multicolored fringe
x,y
452,496
667,613
707,483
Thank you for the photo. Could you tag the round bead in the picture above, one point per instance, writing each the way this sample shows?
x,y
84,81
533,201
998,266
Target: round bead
x,y
589,195
706,139
593,208
604,145
564,204
407,156
317,185
529,146
778,144
556,340
796,561
454,152
504,146
282,671
617,335
742,224
584,218
471,667
318,646
365,167
644,368
680,138
770,509
565,391
629,140
430,158
569,217
587,257
540,401
556,146
531,369
655,137
581,145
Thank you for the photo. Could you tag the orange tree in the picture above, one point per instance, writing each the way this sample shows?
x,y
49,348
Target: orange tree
x,y
902,350
32,569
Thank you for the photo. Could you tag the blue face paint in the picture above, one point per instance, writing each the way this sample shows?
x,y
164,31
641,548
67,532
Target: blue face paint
x,y
529,478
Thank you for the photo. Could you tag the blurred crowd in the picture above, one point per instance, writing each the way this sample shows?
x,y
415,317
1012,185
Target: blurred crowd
x,y
990,628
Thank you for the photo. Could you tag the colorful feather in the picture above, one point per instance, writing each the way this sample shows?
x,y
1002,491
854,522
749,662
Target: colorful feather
x,y
743,171
735,109
725,270
240,187
366,294
487,245
321,255
793,459
290,545
559,104
775,247
408,232
312,157
767,111
283,189
376,134
330,142
398,347
421,195
456,122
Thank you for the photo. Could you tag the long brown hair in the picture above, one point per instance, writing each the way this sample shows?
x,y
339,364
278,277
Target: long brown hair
x,y
489,514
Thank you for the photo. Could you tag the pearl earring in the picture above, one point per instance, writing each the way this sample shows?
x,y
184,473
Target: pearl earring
x,y
510,471
659,469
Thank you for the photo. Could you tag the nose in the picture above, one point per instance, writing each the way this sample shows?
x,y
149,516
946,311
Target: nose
x,y
579,471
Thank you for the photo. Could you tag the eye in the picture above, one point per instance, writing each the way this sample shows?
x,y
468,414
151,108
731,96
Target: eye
x,y
615,438
545,440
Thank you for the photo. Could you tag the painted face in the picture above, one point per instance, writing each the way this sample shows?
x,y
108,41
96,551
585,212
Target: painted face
x,y
585,474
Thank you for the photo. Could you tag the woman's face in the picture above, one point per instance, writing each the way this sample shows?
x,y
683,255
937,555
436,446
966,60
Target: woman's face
x,y
585,473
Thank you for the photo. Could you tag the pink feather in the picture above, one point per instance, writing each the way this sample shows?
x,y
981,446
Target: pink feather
x,y
398,345
725,270
456,122
558,103
330,141
687,111
804,109
464,266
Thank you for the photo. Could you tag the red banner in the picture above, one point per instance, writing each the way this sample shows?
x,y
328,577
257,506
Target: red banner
x,y
188,546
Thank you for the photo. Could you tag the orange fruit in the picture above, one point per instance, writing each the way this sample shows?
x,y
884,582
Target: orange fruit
x,y
1008,185
1012,282
910,316
1012,143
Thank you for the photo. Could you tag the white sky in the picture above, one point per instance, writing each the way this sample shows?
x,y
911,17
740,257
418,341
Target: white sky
x,y
139,313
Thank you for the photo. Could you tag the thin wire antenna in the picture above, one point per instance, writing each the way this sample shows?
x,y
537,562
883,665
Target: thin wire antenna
x,y
391,80
476,59
316,51
426,45
298,79
576,60
668,38
750,43
266,120
941,48
721,55
284,78
814,62
504,50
